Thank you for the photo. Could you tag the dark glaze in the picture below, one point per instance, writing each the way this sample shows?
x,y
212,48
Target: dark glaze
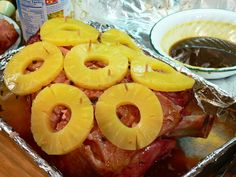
x,y
203,57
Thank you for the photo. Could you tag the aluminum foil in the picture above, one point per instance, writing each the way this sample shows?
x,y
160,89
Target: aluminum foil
x,y
209,97
22,144
137,18
226,151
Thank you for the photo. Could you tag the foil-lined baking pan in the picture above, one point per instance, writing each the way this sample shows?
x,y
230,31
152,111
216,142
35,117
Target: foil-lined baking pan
x,y
216,149
27,156
137,17
215,153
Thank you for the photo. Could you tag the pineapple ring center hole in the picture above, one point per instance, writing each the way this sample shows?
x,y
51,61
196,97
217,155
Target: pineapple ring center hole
x,y
60,117
34,65
95,64
128,114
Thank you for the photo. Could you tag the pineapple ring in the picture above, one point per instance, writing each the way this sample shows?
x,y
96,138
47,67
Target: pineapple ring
x,y
76,130
101,78
67,32
131,54
123,42
118,37
164,79
151,116
22,83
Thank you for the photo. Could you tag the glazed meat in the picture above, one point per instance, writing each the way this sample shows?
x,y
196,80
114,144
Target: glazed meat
x,y
8,35
105,159
182,117
101,158
97,156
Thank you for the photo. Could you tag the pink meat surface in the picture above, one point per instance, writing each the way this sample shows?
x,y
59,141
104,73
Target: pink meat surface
x,y
99,157
108,160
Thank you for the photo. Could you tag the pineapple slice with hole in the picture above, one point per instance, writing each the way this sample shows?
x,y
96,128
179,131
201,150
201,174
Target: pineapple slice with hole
x,y
159,76
123,42
119,37
100,78
151,116
76,130
22,83
67,32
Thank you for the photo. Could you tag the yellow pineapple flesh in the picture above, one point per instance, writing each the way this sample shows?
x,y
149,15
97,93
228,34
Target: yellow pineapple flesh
x,y
159,76
67,32
22,83
119,37
75,131
131,54
151,115
101,78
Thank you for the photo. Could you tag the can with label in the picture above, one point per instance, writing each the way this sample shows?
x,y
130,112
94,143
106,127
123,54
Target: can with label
x,y
33,13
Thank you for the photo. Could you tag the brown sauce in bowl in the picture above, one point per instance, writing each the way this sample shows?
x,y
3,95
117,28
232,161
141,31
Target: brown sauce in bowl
x,y
204,52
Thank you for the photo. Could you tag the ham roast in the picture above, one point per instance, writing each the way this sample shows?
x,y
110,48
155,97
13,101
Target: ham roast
x,y
98,157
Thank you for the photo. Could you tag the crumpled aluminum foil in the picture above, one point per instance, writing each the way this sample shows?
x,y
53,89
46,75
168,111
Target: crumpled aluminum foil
x,y
209,97
137,18
22,144
212,158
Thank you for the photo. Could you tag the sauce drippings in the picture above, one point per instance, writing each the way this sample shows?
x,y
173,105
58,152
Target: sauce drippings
x,y
175,164
207,54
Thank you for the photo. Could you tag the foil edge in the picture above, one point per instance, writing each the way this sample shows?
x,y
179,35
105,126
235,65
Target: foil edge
x,y
41,163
